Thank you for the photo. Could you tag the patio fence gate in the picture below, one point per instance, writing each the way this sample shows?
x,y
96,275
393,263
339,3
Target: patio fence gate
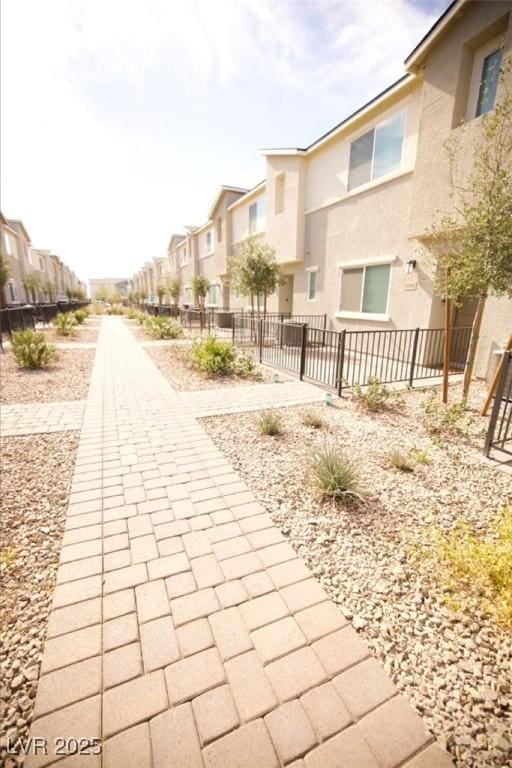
x,y
499,432
338,359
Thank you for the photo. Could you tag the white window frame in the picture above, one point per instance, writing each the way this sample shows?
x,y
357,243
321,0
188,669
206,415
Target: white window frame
x,y
312,271
374,128
183,256
10,246
260,217
208,251
215,303
357,264
476,74
187,294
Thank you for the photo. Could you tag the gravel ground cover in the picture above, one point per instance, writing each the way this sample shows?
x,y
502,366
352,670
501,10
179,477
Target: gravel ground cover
x,y
181,377
67,379
87,333
455,668
36,477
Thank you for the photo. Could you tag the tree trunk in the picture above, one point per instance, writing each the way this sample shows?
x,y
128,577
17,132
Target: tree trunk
x,y
264,306
473,344
2,297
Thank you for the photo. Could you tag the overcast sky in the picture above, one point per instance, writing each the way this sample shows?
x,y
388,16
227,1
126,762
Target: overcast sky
x,y
120,118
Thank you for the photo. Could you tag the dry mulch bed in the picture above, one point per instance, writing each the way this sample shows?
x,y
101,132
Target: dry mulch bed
x,y
36,477
455,668
82,334
67,379
185,379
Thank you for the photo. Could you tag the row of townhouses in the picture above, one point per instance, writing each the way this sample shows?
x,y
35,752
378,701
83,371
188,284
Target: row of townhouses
x,y
349,215
34,274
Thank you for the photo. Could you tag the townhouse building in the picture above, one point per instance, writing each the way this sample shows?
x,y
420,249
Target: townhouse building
x,y
54,279
349,216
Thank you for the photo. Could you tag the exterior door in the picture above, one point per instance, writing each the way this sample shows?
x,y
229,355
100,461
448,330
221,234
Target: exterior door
x,y
286,295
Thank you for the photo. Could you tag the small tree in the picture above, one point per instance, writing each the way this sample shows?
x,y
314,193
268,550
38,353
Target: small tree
x,y
49,288
255,272
200,285
174,289
161,291
474,246
31,284
4,278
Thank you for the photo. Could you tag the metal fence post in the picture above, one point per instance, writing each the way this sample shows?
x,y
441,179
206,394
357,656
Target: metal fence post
x,y
260,339
303,347
340,361
414,354
498,397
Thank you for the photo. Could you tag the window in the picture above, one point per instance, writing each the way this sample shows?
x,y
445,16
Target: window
x,y
182,255
488,82
312,285
279,194
211,296
365,289
378,152
219,229
12,291
257,217
10,245
188,295
41,264
209,242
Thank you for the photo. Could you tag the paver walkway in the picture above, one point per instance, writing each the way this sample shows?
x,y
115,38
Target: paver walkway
x,y
35,418
253,397
185,632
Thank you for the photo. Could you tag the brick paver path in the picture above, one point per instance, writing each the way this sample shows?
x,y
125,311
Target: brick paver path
x,y
254,397
185,632
32,418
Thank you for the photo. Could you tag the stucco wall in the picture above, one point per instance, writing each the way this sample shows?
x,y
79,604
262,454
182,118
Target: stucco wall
x,y
496,329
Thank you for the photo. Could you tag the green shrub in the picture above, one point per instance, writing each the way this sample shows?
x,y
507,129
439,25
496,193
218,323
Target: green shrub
x,y
334,475
132,314
269,423
312,419
374,397
470,566
31,350
212,356
64,324
440,419
142,318
115,309
163,328
243,365
420,455
80,316
400,461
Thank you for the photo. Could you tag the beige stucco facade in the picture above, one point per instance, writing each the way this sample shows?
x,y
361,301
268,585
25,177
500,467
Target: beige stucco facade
x,y
328,224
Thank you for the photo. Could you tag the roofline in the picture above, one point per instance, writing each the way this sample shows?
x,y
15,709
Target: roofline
x,y
253,191
413,60
20,223
403,81
224,188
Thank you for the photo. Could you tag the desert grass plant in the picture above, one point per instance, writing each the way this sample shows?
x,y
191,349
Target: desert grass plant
x,y
312,419
115,309
269,423
64,324
473,569
31,350
334,475
243,366
401,461
445,420
80,316
420,455
163,328
373,397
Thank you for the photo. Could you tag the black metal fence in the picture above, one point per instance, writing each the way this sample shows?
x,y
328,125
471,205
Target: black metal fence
x,y
499,432
28,316
337,359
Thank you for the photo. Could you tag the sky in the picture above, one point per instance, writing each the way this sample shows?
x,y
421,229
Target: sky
x,y
120,119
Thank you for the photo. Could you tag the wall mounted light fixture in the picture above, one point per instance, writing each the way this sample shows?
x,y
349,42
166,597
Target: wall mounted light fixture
x,y
410,266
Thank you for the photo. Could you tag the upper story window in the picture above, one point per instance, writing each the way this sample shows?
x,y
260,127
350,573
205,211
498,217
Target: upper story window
x,y
484,78
489,82
365,289
41,264
10,245
257,217
219,229
182,256
377,152
209,242
279,193
312,284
